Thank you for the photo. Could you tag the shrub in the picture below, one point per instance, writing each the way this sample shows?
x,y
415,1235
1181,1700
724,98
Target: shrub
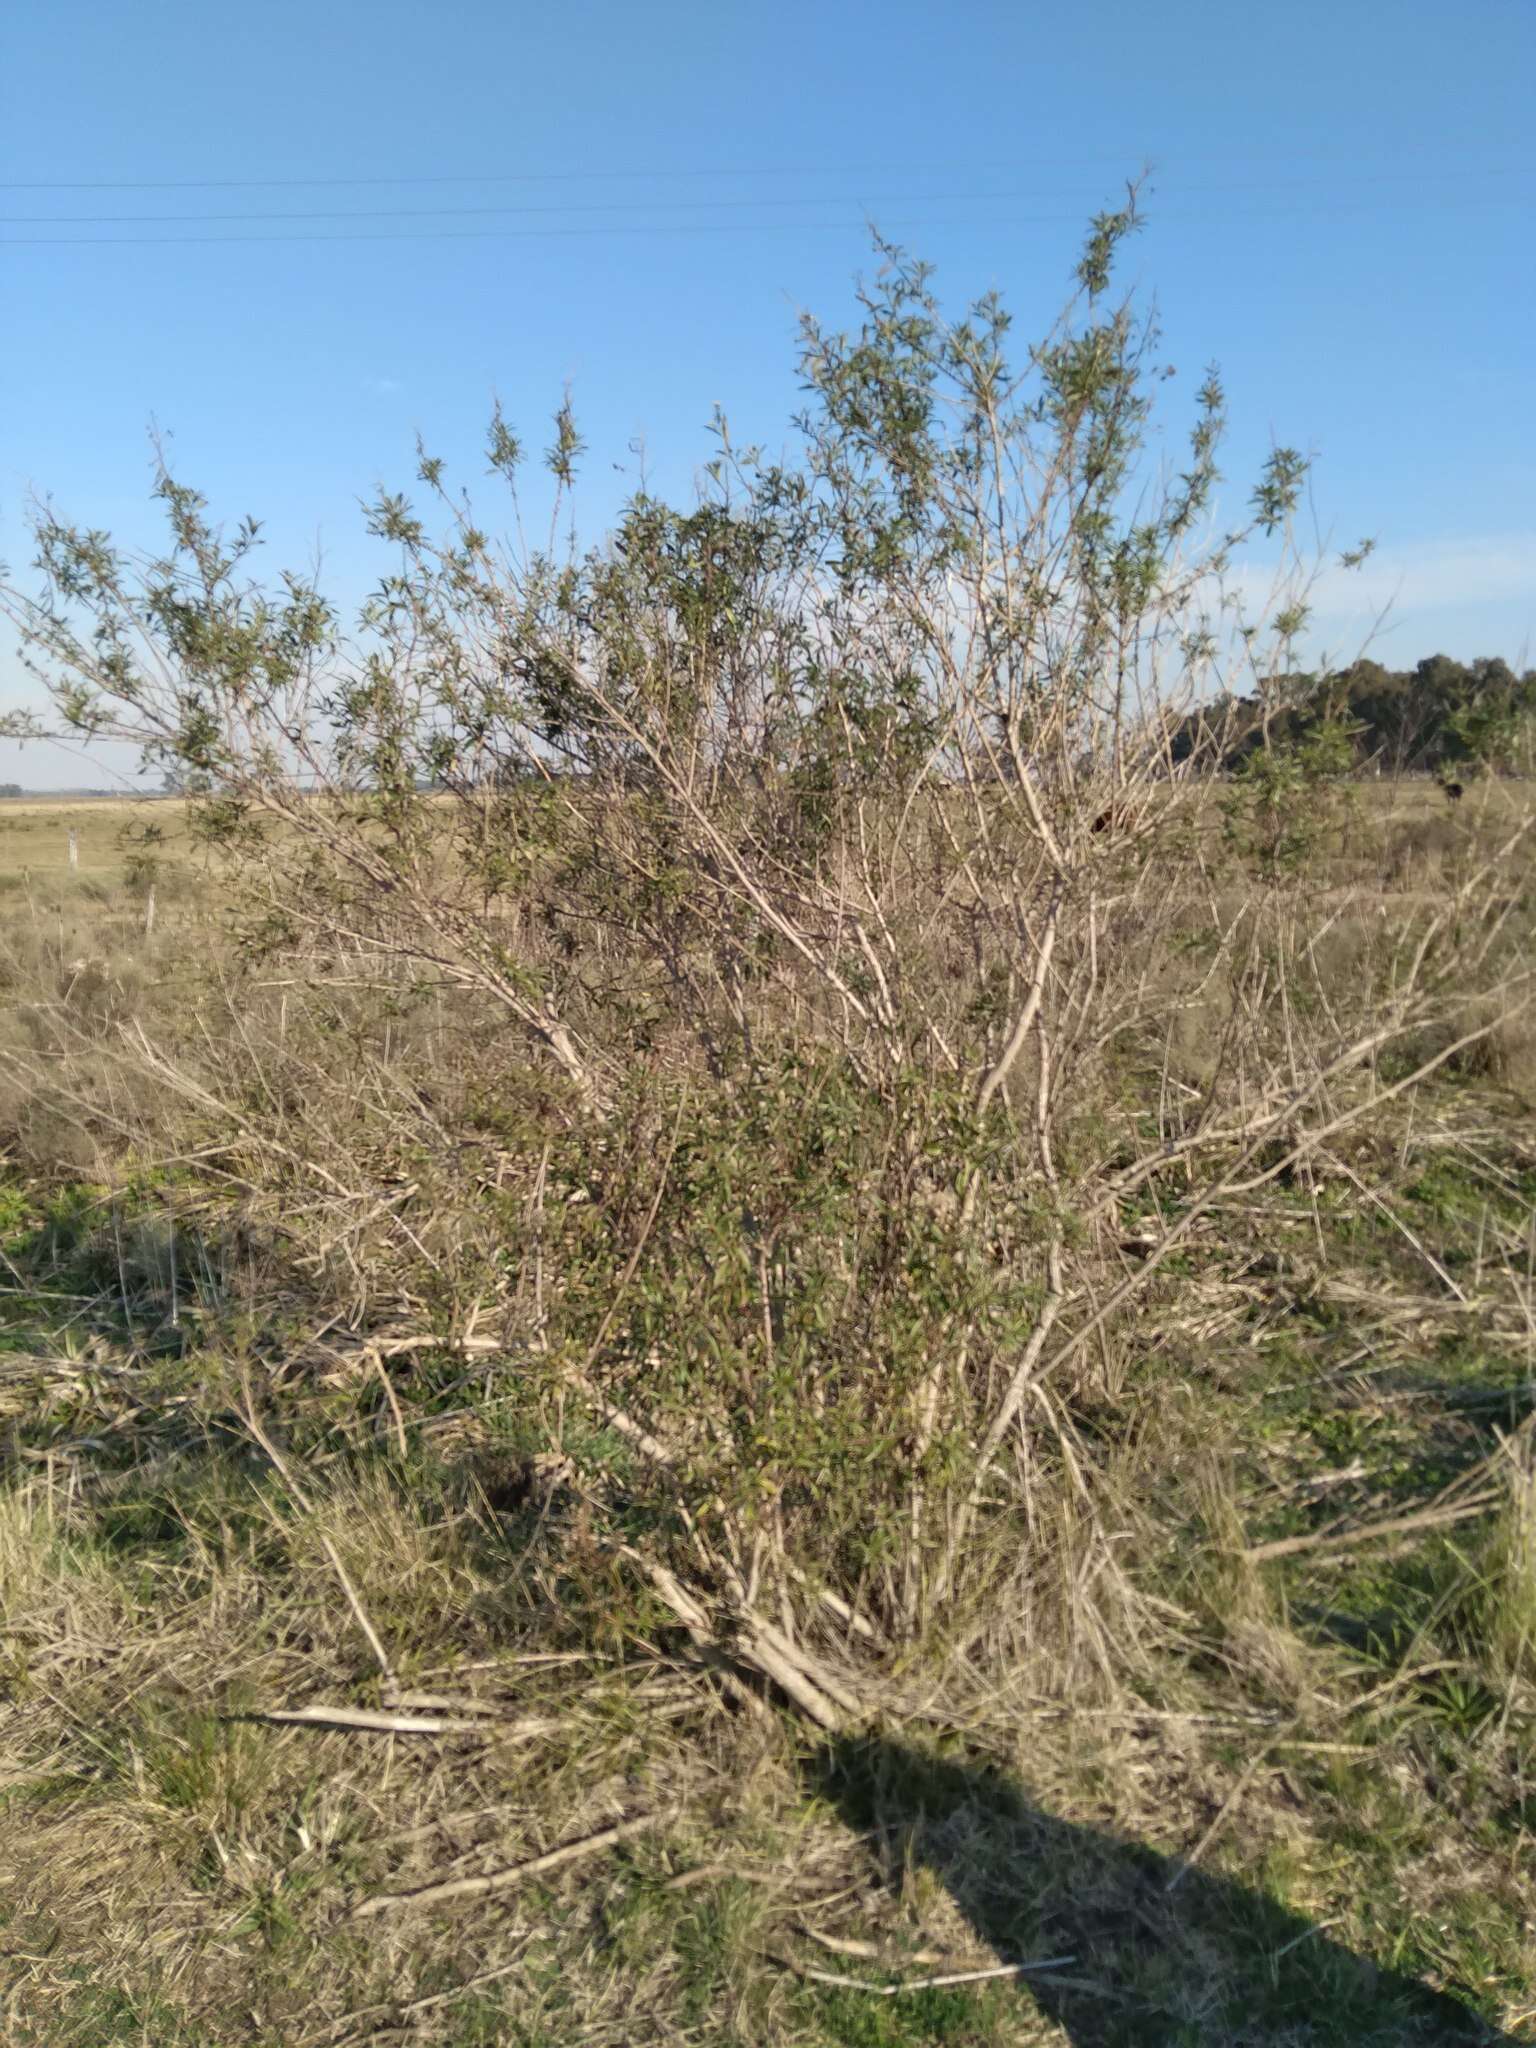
x,y
825,846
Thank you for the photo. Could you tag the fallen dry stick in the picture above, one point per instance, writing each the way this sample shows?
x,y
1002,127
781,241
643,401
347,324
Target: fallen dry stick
x,y
338,2029
446,1703
849,1945
927,1983
1228,1806
503,1880
1395,1525
382,1723
704,1873
756,1644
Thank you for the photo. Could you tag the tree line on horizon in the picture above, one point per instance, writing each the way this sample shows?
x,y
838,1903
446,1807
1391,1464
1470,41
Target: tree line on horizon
x,y
1437,718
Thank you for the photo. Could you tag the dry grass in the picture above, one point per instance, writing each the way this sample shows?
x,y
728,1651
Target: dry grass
x,y
178,1870
35,834
1253,1801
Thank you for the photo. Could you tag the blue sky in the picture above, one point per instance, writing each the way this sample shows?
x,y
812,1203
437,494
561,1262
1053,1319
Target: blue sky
x,y
1341,215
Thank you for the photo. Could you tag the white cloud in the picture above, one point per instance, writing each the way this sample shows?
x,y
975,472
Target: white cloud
x,y
383,387
1468,595
1436,575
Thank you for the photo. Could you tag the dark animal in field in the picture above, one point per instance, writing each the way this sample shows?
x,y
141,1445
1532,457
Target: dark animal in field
x,y
1118,818
1453,790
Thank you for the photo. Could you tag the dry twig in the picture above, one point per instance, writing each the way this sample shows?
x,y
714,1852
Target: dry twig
x,y
1335,1538
392,1723
515,1874
911,1984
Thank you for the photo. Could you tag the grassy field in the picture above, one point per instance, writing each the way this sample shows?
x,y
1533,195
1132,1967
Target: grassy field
x,y
35,835
35,830
319,1651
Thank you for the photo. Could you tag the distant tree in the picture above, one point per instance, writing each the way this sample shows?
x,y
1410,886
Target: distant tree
x,y
1486,728
1441,717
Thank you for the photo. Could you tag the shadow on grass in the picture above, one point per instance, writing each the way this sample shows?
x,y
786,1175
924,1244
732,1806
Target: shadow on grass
x,y
1209,1962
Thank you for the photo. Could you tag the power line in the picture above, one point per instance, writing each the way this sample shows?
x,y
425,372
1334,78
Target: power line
x,y
692,205
626,177
1114,160
567,208
472,212
743,227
